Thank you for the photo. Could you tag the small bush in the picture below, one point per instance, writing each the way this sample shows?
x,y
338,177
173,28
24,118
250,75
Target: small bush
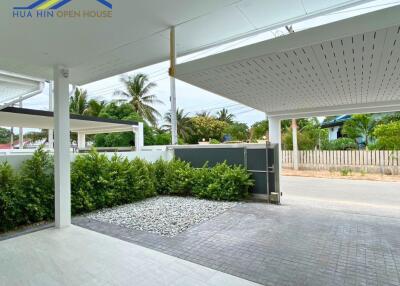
x,y
222,182
37,186
178,178
340,144
11,213
345,171
97,182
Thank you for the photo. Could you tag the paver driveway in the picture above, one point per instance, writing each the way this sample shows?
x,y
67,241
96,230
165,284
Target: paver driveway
x,y
311,239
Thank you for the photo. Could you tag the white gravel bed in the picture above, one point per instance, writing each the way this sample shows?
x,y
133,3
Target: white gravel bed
x,y
167,216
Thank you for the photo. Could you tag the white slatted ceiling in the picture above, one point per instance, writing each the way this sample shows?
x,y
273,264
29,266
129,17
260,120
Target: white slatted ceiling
x,y
11,91
358,69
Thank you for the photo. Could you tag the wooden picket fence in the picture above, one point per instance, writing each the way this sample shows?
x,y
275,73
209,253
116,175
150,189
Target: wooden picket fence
x,y
372,161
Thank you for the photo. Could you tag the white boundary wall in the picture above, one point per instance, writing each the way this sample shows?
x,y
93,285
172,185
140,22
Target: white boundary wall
x,y
148,153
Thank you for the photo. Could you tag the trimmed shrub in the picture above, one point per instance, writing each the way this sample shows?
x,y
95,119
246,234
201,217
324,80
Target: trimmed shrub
x,y
90,181
11,197
99,182
37,186
173,177
222,182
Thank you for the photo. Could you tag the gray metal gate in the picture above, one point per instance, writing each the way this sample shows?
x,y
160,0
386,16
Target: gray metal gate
x,y
254,157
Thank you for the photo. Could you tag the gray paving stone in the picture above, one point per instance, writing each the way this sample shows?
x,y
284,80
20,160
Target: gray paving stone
x,y
284,245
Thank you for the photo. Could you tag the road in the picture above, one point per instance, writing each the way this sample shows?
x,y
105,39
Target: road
x,y
355,196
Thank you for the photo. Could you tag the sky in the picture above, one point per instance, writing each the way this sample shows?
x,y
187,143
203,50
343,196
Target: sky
x,y
193,99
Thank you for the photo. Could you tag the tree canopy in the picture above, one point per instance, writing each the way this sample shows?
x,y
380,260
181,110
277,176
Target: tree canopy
x,y
138,94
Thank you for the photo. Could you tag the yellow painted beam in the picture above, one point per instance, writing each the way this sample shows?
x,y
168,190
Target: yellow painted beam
x,y
48,4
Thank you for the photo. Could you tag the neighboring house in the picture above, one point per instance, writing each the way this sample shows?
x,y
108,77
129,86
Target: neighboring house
x,y
15,145
335,126
5,146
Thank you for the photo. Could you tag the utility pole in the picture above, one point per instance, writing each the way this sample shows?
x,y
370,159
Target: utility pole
x,y
12,138
295,154
174,131
295,145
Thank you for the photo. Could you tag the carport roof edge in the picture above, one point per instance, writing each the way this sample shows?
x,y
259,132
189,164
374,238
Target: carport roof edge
x,y
228,73
79,123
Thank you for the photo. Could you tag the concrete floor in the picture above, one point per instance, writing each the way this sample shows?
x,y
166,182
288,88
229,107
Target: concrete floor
x,y
326,232
77,256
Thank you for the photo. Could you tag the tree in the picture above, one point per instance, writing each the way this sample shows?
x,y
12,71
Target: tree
x,y
309,136
37,136
183,123
138,95
238,131
78,103
125,112
391,117
94,107
224,115
360,125
206,128
387,136
203,114
5,136
258,130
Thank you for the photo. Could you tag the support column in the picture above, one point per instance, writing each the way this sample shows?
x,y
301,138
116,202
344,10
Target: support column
x,y
295,153
21,132
174,130
275,136
139,136
274,130
81,140
62,148
51,108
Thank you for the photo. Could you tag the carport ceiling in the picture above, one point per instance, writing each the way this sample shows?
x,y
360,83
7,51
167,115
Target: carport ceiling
x,y
137,35
14,86
347,66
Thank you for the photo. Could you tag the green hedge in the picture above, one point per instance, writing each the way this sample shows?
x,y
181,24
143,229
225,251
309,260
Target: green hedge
x,y
27,195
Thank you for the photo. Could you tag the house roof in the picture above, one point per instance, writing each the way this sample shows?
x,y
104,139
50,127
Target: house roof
x,y
350,66
30,118
337,121
136,34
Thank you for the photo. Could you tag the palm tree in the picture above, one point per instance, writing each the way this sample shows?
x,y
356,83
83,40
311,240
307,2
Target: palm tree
x,y
360,125
94,107
183,123
137,94
203,114
78,103
224,115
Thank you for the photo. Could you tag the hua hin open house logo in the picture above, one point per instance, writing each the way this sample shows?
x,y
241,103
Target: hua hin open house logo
x,y
62,9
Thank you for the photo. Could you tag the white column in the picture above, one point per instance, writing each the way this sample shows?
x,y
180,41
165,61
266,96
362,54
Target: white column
x,y
21,132
295,153
174,131
274,128
139,136
81,140
62,148
51,108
